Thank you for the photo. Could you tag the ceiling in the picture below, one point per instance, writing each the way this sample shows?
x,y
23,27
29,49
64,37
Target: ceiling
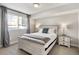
x,y
60,10
29,9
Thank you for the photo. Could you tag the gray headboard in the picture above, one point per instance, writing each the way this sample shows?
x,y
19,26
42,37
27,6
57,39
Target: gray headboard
x,y
51,27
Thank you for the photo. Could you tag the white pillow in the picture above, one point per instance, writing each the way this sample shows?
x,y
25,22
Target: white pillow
x,y
40,31
51,31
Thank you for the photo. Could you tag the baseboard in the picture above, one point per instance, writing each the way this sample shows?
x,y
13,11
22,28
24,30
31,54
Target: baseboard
x,y
14,42
74,45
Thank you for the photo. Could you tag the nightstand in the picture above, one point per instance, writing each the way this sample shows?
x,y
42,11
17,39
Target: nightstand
x,y
64,40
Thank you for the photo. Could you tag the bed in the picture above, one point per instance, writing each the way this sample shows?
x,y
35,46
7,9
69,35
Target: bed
x,y
39,43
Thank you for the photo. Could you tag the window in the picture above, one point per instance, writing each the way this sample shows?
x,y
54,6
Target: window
x,y
21,23
15,21
12,21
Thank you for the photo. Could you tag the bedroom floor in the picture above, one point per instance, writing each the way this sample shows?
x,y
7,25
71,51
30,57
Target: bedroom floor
x,y
57,50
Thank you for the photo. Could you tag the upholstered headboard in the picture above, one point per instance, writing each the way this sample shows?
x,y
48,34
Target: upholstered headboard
x,y
50,27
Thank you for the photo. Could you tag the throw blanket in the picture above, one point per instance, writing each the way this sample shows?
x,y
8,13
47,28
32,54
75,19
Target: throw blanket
x,y
45,39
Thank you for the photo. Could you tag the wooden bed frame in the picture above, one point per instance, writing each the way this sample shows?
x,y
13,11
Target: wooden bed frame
x,y
36,48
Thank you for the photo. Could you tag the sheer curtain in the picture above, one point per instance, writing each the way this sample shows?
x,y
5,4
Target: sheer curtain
x,y
5,38
20,30
4,27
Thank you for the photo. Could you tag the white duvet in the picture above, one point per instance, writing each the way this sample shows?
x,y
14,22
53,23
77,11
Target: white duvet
x,y
51,36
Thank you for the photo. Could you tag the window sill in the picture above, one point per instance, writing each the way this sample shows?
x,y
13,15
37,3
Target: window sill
x,y
15,29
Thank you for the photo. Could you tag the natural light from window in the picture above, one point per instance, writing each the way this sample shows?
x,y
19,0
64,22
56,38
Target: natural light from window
x,y
16,22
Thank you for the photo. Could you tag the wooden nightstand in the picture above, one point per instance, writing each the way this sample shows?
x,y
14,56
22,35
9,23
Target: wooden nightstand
x,y
64,40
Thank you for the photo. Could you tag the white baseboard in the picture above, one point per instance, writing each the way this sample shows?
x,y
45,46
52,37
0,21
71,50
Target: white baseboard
x,y
13,42
75,45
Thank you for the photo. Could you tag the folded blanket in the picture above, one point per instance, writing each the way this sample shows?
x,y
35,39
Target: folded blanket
x,y
45,39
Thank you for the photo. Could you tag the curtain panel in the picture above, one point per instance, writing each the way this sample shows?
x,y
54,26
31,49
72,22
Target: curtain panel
x,y
28,25
5,38
4,27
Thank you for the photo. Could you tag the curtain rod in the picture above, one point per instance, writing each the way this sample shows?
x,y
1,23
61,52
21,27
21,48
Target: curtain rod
x,y
15,10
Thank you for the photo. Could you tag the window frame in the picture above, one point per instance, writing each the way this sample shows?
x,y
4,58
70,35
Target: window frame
x,y
18,26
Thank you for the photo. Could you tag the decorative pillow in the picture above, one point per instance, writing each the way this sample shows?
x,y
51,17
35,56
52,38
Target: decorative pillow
x,y
45,30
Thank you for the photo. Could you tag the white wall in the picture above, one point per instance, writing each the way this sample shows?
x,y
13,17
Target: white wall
x,y
70,19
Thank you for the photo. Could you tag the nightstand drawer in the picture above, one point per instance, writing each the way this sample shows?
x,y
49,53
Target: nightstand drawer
x,y
61,38
64,40
67,39
66,44
60,43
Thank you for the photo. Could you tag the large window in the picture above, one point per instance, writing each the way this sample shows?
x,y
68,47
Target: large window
x,y
16,21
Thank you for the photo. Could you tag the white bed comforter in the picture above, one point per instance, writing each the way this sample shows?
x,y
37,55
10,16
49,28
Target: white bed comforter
x,y
51,36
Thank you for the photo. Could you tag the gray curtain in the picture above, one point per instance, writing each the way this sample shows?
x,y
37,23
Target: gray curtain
x,y
4,27
28,25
